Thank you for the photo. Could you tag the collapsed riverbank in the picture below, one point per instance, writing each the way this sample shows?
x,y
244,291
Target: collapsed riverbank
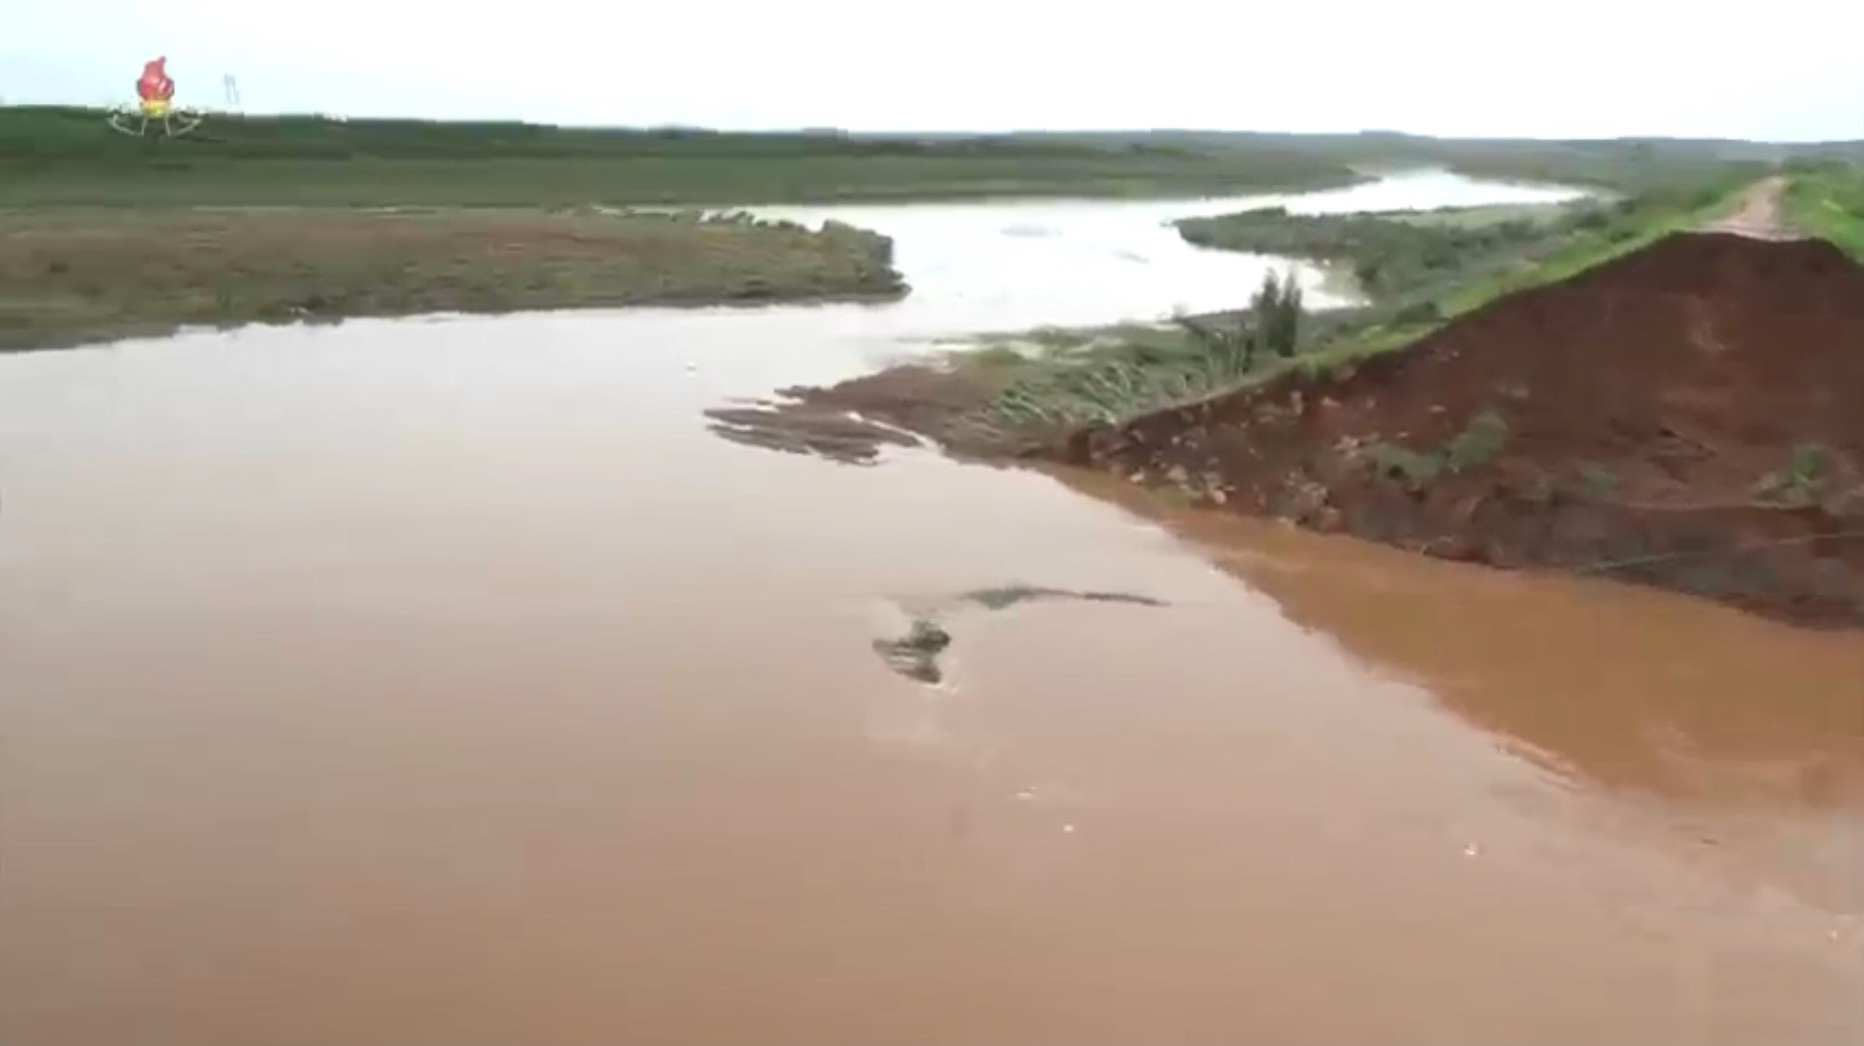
x,y
1679,417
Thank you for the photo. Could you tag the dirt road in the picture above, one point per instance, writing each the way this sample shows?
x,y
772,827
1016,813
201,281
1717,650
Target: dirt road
x,y
1760,214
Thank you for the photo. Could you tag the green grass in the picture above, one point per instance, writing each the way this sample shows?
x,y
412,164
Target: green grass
x,y
70,157
1642,222
702,181
1056,380
1628,166
51,155
1495,214
1475,446
1397,258
1420,268
1827,200
71,276
1801,480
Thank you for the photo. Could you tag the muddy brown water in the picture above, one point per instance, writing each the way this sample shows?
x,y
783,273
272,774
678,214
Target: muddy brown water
x,y
446,682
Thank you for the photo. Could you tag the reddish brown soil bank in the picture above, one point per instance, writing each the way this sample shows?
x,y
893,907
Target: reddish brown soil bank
x,y
1690,416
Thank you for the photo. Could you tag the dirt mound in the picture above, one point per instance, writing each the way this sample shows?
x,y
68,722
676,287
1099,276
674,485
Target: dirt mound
x,y
1691,415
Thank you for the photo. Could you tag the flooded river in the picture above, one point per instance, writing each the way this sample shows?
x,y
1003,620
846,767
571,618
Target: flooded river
x,y
446,682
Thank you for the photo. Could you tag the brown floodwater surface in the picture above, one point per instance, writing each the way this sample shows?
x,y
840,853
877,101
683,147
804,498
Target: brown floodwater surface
x,y
448,683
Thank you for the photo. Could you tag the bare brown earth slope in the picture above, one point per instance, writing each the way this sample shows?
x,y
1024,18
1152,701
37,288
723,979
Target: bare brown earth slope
x,y
1690,416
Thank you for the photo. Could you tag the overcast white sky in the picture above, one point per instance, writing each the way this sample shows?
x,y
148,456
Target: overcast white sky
x,y
1782,69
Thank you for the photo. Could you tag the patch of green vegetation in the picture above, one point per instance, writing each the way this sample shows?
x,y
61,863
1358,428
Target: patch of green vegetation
x,y
1421,269
1475,446
1478,444
1492,215
1395,259
1632,225
1638,223
1801,481
1827,200
58,155
1629,165
70,276
66,156
1600,483
1416,470
1069,378
1113,384
1274,318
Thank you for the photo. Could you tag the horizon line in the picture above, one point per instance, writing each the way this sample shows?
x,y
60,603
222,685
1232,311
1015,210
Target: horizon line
x,y
825,130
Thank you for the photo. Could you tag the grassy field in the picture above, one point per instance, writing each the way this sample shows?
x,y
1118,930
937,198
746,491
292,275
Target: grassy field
x,y
1827,200
1624,165
72,276
70,157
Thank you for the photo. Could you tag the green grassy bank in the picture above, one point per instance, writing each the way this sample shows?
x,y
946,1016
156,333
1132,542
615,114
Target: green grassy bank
x,y
1827,200
73,276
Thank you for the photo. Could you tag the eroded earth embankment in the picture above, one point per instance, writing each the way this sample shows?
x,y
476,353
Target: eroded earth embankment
x,y
1691,416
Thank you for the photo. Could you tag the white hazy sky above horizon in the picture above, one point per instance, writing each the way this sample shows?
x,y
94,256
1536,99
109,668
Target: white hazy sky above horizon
x,y
1785,70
